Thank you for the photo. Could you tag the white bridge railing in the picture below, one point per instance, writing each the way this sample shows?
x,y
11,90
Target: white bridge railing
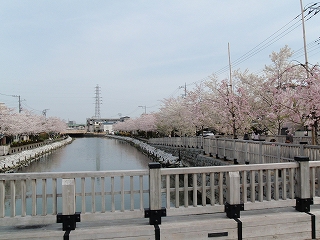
x,y
34,198
244,151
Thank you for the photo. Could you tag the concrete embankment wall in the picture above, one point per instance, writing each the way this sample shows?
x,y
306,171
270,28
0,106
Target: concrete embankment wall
x,y
10,162
192,157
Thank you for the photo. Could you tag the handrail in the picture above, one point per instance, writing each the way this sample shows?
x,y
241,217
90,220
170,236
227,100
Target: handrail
x,y
125,194
244,151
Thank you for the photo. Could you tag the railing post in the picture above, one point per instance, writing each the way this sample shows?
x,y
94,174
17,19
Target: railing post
x,y
233,205
155,210
303,199
68,217
302,146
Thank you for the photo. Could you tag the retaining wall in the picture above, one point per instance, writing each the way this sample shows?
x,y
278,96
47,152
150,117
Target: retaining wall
x,y
192,157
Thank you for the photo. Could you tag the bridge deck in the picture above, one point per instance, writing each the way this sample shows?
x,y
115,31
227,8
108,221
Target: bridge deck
x,y
279,223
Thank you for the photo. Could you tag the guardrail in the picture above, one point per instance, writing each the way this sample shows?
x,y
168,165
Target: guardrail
x,y
34,198
244,151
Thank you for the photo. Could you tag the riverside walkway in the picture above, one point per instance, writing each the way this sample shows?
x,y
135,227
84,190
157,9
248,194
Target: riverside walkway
x,y
255,201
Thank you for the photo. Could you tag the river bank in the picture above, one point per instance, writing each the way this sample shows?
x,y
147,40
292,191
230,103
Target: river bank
x,y
166,159
9,163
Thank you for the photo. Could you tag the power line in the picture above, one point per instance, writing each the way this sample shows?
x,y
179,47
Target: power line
x,y
282,32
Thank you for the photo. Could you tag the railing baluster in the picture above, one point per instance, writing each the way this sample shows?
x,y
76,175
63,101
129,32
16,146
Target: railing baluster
x,y
103,195
284,183
83,195
131,194
252,187
195,189
212,190
185,190
112,195
292,183
313,182
13,197
244,187
44,197
276,184
268,189
168,192
93,195
2,198
177,190
141,192
54,196
23,198
220,188
204,191
260,185
122,193
34,196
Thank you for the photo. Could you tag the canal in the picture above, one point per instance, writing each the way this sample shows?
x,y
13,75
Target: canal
x,y
91,154
87,154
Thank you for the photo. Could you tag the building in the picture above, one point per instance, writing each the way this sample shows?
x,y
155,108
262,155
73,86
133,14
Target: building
x,y
103,124
75,126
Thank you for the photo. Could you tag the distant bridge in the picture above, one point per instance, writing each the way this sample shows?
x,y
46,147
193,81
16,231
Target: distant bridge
x,y
75,132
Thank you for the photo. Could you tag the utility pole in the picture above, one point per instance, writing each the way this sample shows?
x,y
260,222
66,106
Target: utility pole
x,y
314,140
44,112
185,89
304,39
145,109
231,87
20,108
231,91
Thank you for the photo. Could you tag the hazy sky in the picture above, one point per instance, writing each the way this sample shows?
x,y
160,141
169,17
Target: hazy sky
x,y
54,53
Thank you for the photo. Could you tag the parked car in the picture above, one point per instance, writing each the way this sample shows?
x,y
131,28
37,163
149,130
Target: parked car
x,y
208,134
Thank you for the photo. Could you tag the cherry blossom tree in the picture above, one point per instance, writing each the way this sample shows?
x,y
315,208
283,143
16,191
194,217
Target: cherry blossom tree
x,y
230,105
173,117
283,95
303,102
27,123
199,111
146,122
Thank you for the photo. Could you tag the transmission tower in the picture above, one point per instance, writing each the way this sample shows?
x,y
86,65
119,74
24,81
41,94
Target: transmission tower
x,y
97,102
44,112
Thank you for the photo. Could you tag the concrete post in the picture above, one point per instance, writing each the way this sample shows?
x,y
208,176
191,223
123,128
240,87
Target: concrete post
x,y
68,196
155,186
233,191
233,205
155,210
68,217
302,194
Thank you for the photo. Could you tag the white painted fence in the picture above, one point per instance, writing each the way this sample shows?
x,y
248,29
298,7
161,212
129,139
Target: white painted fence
x,y
33,198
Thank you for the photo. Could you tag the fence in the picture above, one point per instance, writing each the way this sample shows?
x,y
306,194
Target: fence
x,y
244,151
34,198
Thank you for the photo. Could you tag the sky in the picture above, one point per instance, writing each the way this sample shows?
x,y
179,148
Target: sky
x,y
54,54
